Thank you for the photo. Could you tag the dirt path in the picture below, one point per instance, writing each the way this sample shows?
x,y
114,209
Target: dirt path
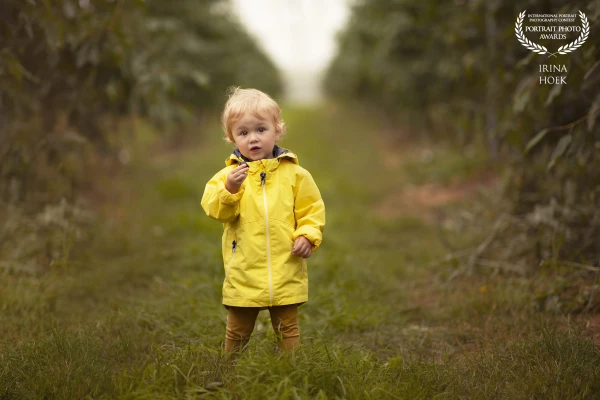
x,y
426,200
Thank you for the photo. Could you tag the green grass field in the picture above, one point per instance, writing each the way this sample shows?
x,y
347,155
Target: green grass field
x,y
136,312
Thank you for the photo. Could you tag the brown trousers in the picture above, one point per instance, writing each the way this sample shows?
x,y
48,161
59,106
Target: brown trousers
x,y
241,320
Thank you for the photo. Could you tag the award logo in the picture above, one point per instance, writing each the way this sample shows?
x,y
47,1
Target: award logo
x,y
552,32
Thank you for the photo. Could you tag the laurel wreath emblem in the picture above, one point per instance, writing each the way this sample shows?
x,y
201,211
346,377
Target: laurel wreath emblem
x,y
562,49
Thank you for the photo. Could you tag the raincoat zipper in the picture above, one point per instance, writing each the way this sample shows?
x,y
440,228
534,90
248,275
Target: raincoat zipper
x,y
263,176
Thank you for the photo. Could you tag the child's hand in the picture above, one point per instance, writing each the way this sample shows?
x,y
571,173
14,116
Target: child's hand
x,y
302,247
236,177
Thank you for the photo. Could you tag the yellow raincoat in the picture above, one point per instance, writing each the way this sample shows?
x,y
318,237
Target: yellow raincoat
x,y
277,202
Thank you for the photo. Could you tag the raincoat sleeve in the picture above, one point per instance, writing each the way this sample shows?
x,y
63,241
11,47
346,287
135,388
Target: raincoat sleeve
x,y
218,202
309,211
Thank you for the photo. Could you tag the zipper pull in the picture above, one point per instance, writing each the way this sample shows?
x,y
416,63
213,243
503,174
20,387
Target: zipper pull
x,y
263,176
233,245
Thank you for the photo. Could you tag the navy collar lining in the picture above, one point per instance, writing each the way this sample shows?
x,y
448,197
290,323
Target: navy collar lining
x,y
277,151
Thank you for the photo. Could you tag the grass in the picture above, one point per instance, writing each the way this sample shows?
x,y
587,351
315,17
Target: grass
x,y
137,311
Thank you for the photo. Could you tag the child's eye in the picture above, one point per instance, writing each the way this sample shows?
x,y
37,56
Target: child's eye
x,y
261,129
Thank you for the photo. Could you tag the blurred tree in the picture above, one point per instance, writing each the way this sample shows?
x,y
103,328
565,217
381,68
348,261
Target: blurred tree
x,y
457,68
69,69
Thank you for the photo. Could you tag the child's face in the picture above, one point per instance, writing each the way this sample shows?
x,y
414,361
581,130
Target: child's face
x,y
255,137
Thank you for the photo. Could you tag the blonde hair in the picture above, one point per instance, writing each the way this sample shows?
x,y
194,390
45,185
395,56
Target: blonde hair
x,y
249,101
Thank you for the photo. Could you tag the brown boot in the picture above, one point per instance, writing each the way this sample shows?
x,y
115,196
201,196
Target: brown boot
x,y
288,345
233,349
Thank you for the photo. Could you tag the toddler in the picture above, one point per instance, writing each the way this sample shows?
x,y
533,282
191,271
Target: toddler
x,y
273,218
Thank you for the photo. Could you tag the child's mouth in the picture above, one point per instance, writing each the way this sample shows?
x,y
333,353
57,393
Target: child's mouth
x,y
255,149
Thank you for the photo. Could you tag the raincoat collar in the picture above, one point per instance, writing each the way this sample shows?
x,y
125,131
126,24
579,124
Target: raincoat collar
x,y
269,163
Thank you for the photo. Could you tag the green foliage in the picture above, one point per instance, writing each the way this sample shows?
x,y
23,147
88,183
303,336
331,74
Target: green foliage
x,y
72,72
458,69
391,55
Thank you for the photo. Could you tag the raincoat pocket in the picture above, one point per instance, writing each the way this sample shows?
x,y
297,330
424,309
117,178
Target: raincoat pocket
x,y
233,251
304,268
229,265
